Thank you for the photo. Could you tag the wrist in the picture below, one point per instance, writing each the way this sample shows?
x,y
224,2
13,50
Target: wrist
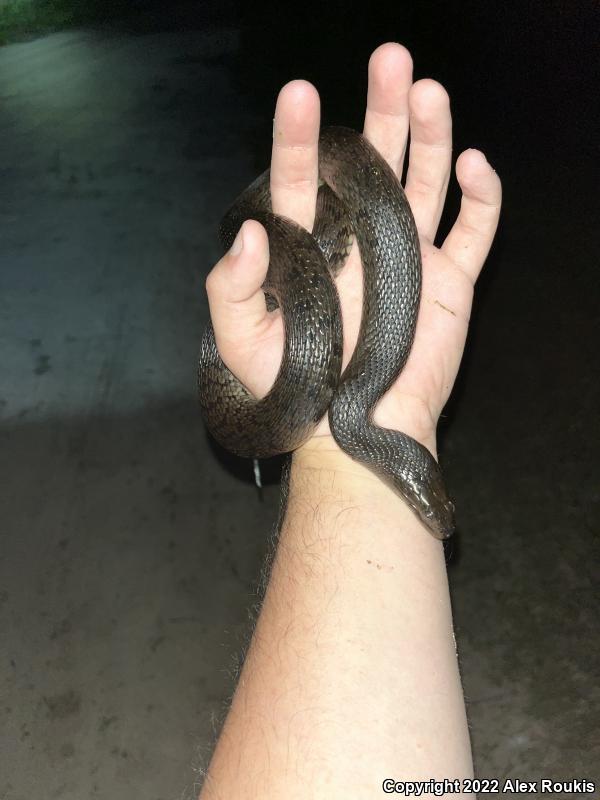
x,y
417,420
321,451
325,477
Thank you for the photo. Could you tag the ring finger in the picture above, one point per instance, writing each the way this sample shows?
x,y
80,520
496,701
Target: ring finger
x,y
430,155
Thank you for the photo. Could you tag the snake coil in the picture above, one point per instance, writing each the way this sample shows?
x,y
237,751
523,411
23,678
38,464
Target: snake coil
x,y
360,196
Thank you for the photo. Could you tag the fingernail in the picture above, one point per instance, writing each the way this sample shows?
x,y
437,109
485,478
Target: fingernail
x,y
236,247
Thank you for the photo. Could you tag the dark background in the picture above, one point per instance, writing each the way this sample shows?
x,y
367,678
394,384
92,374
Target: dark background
x,y
130,547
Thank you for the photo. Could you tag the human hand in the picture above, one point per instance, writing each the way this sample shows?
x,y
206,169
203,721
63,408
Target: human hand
x,y
250,340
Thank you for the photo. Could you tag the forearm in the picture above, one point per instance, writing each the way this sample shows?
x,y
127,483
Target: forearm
x,y
351,676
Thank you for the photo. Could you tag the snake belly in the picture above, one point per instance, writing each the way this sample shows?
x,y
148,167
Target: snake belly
x,y
360,194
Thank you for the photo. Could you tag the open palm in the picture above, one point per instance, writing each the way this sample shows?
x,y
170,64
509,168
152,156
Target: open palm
x,y
250,340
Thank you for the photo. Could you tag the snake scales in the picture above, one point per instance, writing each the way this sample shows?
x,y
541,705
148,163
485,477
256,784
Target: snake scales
x,y
359,195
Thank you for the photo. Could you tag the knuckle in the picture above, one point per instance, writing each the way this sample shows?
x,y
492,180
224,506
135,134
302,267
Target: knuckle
x,y
293,183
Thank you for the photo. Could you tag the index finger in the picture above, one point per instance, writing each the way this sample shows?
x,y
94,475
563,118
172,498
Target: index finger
x,y
294,160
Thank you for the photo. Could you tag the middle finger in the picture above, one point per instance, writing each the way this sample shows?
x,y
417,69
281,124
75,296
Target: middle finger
x,y
387,115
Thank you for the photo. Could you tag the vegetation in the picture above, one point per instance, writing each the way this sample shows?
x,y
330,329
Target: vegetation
x,y
21,19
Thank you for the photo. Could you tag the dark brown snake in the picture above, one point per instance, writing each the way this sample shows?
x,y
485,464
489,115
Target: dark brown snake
x,y
361,196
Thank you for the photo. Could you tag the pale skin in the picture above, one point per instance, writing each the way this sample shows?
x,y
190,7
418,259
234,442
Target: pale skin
x,y
351,676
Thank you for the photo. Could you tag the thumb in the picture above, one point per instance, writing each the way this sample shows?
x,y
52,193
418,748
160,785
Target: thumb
x,y
236,300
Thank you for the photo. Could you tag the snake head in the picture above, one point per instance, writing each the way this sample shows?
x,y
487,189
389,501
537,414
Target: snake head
x,y
429,500
437,512
426,495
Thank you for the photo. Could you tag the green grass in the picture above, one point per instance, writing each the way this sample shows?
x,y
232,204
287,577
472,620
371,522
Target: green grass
x,y
21,19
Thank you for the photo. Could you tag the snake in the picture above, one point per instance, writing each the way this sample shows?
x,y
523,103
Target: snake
x,y
359,197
